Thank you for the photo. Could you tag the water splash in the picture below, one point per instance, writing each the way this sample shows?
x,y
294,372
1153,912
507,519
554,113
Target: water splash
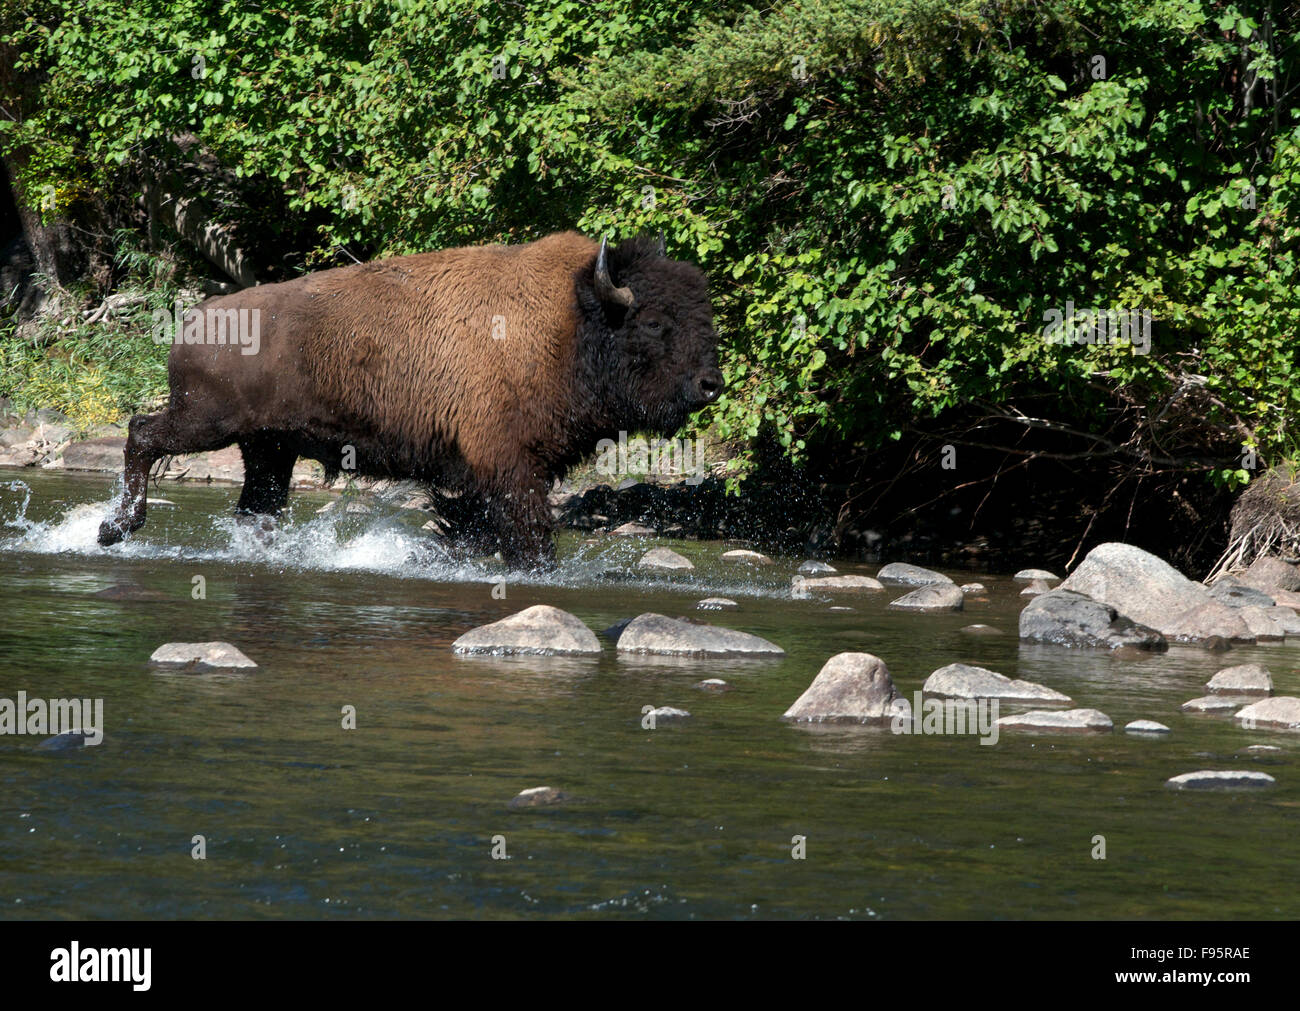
x,y
383,540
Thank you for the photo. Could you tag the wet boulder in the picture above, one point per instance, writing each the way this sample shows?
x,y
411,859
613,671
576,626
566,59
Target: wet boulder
x,y
850,688
932,597
201,655
1244,679
540,630
658,635
1077,721
910,575
1065,618
1152,592
963,681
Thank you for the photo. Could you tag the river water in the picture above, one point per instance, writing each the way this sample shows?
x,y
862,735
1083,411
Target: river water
x,y
401,816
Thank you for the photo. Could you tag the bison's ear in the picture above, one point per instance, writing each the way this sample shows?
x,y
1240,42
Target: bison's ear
x,y
605,289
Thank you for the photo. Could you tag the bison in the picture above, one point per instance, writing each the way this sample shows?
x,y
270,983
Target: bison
x,y
484,371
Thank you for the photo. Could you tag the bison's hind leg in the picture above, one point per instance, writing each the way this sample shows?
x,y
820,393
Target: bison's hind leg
x,y
150,437
268,471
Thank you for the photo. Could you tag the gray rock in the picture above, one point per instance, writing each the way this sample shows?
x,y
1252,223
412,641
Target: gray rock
x,y
1211,779
1043,574
836,584
201,655
540,630
814,568
1262,624
850,688
1035,588
71,740
962,681
1237,594
713,685
1065,618
633,530
974,589
716,604
1279,713
1146,727
666,714
1244,679
537,796
656,634
664,558
746,557
911,575
102,455
982,630
1065,721
1261,748
1268,574
1152,592
933,597
1213,704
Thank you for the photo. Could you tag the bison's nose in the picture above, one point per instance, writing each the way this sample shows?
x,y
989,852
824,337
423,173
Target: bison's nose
x,y
708,385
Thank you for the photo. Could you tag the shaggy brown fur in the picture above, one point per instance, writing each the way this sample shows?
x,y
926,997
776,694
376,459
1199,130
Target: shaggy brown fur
x,y
486,370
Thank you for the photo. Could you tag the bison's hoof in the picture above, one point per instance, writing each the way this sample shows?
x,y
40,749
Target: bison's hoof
x,y
110,533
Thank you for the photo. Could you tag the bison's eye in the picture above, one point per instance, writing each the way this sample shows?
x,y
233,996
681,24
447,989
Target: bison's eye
x,y
655,326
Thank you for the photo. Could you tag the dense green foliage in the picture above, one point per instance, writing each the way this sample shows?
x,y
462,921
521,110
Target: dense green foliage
x,y
888,194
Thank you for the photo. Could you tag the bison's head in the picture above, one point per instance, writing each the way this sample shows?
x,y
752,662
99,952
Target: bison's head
x,y
648,335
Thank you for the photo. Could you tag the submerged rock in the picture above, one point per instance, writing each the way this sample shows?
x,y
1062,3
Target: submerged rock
x,y
666,714
540,630
713,685
982,630
974,589
1032,574
932,597
1152,592
1213,779
912,575
1280,713
664,558
962,681
1146,727
716,604
69,740
1066,721
746,557
1065,618
659,635
815,568
537,796
850,688
1244,679
1213,704
206,655
837,584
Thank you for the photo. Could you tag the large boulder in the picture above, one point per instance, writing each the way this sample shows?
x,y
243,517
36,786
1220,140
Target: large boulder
x,y
1268,574
1153,593
932,597
1280,713
911,575
103,455
1065,618
661,636
850,688
1244,679
540,630
962,681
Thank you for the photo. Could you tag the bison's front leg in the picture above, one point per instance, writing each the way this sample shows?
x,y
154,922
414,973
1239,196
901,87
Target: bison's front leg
x,y
522,518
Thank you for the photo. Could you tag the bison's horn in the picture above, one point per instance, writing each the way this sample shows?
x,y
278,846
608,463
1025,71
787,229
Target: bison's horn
x,y
605,289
